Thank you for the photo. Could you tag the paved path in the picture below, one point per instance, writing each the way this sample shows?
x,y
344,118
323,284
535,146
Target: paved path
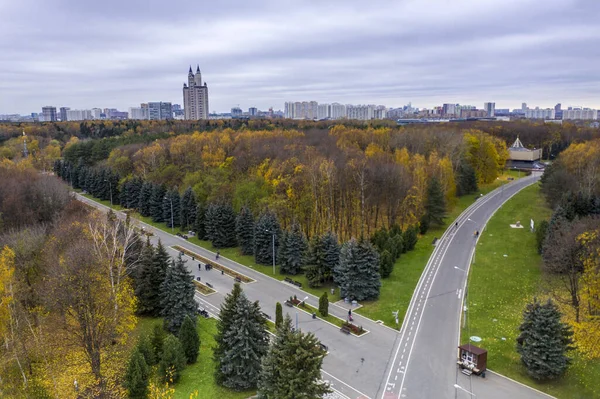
x,y
424,357
342,366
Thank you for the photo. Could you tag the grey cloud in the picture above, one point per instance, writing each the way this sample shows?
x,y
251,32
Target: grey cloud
x,y
120,53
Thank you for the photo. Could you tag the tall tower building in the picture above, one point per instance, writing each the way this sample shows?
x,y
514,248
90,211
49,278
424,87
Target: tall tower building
x,y
195,96
490,109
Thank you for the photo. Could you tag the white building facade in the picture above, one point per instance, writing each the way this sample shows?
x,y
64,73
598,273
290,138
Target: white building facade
x,y
581,114
195,96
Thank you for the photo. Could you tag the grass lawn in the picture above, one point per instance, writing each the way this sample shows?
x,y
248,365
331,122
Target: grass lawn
x,y
495,310
398,288
198,376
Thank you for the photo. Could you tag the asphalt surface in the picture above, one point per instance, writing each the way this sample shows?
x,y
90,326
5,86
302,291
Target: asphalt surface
x,y
353,365
425,354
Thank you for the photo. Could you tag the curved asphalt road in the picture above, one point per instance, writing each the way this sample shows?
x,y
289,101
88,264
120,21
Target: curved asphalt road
x,y
423,362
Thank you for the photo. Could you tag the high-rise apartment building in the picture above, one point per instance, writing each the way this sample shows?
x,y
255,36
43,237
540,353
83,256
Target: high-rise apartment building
x,y
338,111
252,111
195,96
538,113
580,113
324,111
79,114
490,109
160,111
138,113
49,113
96,113
63,113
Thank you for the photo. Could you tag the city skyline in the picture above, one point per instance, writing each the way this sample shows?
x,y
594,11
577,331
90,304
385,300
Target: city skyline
x,y
73,54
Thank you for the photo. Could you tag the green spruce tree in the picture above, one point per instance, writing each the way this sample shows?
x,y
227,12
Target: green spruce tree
x,y
156,202
278,314
148,298
190,340
224,323
265,227
466,179
199,222
157,340
172,361
145,347
210,221
283,376
293,250
544,341
435,204
246,342
145,199
324,305
244,228
386,264
358,271
136,376
223,227
410,238
177,296
188,209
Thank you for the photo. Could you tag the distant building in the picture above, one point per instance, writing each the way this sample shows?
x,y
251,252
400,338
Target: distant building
x,y
236,112
97,113
195,96
253,111
538,113
324,111
338,111
49,114
159,111
580,114
489,108
79,114
520,157
63,113
449,109
138,113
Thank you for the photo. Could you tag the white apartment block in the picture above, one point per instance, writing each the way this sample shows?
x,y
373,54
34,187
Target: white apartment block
x,y
360,112
79,114
338,111
324,111
195,97
538,113
314,110
581,114
96,113
138,113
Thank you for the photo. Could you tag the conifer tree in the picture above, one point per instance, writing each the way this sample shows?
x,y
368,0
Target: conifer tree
x,y
157,340
223,226
283,376
171,207
245,343
278,314
124,194
133,193
358,271
395,246
410,238
177,296
144,277
293,250
210,221
331,254
544,341
156,202
386,264
188,209
435,204
172,361
265,227
145,199
244,228
324,305
199,222
466,179
224,323
136,376
146,349
190,340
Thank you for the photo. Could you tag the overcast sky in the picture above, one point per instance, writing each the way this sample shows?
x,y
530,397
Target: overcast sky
x,y
84,54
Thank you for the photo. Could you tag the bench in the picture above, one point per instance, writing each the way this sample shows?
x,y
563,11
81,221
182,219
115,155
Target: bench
x,y
297,284
345,330
324,347
209,284
266,316
237,279
290,304
288,280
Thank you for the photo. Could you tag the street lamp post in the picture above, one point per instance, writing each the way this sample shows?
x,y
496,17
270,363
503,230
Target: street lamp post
x,y
171,199
110,188
462,389
273,233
